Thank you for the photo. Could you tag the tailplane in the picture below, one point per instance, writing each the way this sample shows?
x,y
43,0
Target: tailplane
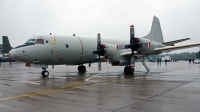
x,y
156,33
6,44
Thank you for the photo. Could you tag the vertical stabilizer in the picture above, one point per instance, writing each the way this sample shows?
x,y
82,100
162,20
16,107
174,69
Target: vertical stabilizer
x,y
156,33
6,45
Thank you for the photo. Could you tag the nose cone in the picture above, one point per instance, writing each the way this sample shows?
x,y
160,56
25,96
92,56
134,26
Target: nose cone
x,y
10,54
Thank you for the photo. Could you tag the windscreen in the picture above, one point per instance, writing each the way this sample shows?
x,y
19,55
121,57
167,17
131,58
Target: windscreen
x,y
30,41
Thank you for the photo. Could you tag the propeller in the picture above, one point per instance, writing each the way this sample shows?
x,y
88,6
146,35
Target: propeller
x,y
100,50
134,46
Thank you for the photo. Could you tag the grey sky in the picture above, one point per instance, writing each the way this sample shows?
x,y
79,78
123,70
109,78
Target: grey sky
x,y
20,19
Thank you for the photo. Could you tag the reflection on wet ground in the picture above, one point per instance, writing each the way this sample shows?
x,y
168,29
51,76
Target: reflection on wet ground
x,y
171,87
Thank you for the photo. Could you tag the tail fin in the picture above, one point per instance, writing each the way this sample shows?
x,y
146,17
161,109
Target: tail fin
x,y
156,33
6,44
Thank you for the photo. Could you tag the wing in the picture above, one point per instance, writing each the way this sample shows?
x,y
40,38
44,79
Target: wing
x,y
171,43
172,48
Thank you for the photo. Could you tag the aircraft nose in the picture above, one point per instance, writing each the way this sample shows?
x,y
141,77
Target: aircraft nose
x,y
10,54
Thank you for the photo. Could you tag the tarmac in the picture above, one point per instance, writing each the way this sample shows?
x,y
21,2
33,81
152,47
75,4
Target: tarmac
x,y
174,87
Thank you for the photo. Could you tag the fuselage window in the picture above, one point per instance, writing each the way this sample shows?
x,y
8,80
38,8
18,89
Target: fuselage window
x,y
39,41
67,45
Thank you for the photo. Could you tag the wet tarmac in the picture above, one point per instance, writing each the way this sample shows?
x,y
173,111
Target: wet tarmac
x,y
174,87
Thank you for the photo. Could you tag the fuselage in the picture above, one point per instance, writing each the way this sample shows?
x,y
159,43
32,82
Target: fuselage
x,y
56,50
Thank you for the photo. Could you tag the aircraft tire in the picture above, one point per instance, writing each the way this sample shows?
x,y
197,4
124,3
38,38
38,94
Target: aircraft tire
x,y
45,73
127,70
81,68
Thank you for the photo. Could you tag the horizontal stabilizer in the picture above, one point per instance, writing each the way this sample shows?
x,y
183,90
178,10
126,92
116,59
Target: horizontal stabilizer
x,y
172,48
171,43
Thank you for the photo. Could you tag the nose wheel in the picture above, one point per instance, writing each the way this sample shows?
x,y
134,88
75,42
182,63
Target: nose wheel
x,y
44,73
81,68
128,70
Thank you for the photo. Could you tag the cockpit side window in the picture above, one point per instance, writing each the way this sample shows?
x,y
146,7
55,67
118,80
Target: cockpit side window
x,y
28,43
39,41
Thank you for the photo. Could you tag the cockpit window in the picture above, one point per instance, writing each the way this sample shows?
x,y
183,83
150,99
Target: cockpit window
x,y
31,41
39,41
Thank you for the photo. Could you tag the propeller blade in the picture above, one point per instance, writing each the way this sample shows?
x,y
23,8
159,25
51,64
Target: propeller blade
x,y
132,34
98,41
132,60
99,65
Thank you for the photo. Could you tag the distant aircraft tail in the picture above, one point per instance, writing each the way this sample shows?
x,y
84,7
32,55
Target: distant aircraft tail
x,y
156,33
6,44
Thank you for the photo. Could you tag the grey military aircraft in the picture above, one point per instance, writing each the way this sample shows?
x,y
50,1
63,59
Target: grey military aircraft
x,y
43,50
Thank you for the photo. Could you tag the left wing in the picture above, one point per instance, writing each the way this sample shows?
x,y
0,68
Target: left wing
x,y
172,48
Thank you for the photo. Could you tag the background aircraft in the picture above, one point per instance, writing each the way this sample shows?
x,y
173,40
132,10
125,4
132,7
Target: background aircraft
x,y
43,50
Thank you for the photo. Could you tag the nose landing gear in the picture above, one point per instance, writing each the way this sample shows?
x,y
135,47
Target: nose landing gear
x,y
45,73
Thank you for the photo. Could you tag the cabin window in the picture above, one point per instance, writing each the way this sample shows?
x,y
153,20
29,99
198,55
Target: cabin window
x,y
39,41
67,45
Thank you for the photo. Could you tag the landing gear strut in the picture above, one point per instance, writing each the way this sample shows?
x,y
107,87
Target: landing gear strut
x,y
81,68
128,70
45,73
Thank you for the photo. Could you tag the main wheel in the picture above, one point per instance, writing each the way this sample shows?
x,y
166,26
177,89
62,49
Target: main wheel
x,y
81,68
128,70
45,73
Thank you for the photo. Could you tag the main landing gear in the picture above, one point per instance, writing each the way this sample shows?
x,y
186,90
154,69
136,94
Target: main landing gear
x,y
128,70
45,73
81,68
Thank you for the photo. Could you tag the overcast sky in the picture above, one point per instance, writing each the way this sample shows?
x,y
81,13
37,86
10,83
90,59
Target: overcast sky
x,y
21,19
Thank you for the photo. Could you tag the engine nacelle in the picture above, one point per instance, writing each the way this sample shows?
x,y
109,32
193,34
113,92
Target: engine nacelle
x,y
111,50
121,63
